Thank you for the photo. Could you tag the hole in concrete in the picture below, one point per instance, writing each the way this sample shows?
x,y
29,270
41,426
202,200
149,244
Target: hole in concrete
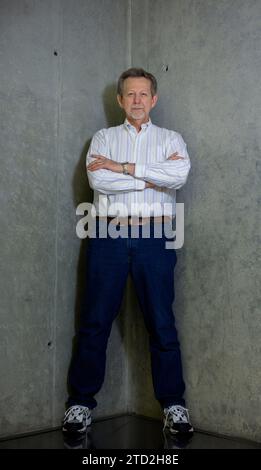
x,y
165,68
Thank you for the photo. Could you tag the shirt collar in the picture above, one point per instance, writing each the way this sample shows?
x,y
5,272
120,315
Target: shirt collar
x,y
128,125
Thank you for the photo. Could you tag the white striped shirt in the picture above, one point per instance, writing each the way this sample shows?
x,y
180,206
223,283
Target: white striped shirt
x,y
119,194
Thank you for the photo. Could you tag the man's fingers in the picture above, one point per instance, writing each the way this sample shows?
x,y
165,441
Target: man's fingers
x,y
97,164
175,156
98,157
94,168
99,160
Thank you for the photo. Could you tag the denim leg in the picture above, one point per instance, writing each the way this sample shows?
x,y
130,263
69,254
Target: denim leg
x,y
152,270
107,272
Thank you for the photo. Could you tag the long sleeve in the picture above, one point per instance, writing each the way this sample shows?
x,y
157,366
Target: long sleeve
x,y
106,181
171,174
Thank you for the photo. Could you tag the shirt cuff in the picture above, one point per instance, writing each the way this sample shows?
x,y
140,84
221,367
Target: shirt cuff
x,y
139,171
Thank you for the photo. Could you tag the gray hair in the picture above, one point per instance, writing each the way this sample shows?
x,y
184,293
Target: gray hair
x,y
137,73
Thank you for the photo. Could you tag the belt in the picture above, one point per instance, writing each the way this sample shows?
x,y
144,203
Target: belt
x,y
135,220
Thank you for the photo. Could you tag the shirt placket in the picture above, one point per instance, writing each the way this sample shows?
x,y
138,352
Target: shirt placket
x,y
137,137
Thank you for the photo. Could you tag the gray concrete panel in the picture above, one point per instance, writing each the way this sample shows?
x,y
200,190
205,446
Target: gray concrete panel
x,y
59,63
28,200
206,55
93,53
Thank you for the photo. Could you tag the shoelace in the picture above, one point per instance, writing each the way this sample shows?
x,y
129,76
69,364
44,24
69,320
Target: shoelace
x,y
75,413
179,414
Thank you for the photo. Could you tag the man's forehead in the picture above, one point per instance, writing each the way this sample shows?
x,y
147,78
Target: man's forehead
x,y
137,82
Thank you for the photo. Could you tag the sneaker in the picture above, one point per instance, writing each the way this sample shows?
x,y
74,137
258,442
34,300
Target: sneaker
x,y
177,420
76,419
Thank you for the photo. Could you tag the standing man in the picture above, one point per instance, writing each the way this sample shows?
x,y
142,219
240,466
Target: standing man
x,y
134,170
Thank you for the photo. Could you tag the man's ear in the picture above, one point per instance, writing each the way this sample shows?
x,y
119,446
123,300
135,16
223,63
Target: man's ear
x,y
119,98
154,100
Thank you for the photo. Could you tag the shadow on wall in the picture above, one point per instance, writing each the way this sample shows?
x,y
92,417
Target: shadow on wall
x,y
142,399
114,114
83,193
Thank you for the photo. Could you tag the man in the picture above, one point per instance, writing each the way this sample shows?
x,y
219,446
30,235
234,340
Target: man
x,y
134,170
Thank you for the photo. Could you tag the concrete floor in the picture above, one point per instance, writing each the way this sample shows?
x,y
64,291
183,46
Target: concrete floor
x,y
125,432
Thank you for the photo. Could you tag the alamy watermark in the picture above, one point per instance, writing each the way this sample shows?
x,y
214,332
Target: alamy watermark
x,y
93,226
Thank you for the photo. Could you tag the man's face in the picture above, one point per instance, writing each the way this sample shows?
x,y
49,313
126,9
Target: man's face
x,y
137,100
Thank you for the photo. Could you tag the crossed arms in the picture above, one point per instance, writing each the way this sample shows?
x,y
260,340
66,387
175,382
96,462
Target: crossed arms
x,y
105,175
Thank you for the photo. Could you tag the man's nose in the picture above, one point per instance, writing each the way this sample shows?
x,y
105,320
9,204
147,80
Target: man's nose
x,y
136,98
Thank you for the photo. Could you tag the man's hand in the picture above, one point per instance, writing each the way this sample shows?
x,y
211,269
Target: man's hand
x,y
100,162
175,156
150,185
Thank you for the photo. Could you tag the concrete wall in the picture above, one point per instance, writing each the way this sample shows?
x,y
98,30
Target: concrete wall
x,y
59,60
211,94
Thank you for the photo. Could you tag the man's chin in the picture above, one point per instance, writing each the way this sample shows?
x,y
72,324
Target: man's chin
x,y
137,116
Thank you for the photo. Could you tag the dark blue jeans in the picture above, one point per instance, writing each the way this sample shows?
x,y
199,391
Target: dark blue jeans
x,y
151,265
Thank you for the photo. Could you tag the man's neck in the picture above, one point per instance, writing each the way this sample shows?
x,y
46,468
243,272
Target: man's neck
x,y
137,123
